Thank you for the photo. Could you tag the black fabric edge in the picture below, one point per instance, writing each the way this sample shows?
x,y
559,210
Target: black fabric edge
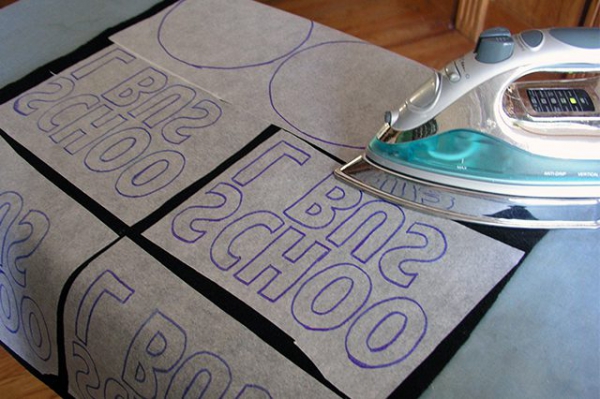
x,y
243,313
422,377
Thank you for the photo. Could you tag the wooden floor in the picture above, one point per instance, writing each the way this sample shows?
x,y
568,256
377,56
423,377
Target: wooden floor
x,y
421,30
418,29
17,382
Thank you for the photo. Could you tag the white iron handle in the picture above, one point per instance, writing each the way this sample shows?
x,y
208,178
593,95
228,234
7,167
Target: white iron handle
x,y
496,53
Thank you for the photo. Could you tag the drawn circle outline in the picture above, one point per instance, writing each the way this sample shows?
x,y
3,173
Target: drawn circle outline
x,y
194,65
361,363
291,56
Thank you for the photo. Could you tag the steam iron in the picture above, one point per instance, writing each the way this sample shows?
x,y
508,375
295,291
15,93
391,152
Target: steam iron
x,y
508,135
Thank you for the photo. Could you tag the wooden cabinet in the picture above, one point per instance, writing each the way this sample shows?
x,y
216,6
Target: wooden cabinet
x,y
472,16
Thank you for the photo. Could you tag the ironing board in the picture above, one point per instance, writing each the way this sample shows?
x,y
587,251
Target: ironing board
x,y
541,335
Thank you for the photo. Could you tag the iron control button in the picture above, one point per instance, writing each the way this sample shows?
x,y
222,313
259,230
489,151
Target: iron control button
x,y
532,38
494,45
452,72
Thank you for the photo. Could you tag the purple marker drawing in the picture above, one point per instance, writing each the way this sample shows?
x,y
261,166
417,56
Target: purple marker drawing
x,y
320,205
150,173
134,88
87,380
368,342
11,205
28,235
432,248
156,348
20,240
118,149
113,389
203,114
9,309
222,201
66,112
35,328
379,222
98,63
295,255
280,84
155,360
88,130
107,284
252,391
272,156
257,224
315,310
163,105
56,90
203,374
245,22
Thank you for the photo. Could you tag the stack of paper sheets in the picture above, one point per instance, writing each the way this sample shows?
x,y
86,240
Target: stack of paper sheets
x,y
183,101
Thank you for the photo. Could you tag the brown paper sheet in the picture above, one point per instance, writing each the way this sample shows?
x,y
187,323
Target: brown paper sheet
x,y
44,237
325,86
134,329
128,134
367,289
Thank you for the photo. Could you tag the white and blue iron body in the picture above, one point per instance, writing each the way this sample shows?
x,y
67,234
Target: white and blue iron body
x,y
482,142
